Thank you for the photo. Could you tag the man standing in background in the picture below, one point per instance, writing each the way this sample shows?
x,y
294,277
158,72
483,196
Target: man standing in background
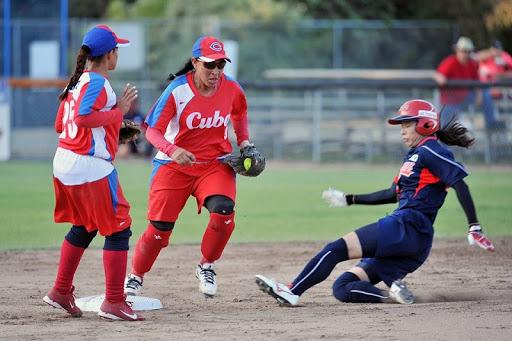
x,y
461,66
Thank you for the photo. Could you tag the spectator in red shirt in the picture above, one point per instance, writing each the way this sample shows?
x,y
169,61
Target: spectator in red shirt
x,y
494,64
460,66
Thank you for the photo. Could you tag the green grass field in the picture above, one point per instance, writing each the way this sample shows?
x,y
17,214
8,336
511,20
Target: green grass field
x,y
283,204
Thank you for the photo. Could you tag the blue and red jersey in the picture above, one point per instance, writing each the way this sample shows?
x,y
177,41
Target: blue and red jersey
x,y
92,93
197,123
427,172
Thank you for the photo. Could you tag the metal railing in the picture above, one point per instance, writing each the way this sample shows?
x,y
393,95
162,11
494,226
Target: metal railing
x,y
340,120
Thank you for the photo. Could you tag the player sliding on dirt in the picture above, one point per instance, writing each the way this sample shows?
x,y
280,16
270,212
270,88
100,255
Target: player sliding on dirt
x,y
399,243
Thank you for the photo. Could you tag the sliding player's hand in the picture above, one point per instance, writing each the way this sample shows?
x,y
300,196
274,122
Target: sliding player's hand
x,y
476,236
334,198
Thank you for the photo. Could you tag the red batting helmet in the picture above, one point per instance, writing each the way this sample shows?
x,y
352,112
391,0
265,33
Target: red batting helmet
x,y
421,111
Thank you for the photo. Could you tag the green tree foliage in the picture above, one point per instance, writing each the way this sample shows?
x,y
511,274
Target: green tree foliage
x,y
346,9
87,9
280,29
482,20
240,10
499,22
170,40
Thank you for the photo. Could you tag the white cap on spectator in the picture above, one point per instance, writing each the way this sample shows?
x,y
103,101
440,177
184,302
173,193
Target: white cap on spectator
x,y
464,43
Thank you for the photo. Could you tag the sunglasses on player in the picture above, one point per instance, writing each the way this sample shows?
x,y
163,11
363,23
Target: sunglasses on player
x,y
220,64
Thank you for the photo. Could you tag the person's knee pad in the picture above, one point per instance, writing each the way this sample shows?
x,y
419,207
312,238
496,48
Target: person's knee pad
x,y
79,237
219,204
162,225
118,241
349,288
340,289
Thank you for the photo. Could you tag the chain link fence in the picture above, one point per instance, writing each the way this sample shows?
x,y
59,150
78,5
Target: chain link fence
x,y
311,120
347,120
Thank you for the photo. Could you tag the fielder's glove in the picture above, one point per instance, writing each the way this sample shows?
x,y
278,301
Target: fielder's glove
x,y
250,162
129,131
477,237
337,198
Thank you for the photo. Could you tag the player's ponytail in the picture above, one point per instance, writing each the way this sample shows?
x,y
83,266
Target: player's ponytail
x,y
455,134
186,68
81,59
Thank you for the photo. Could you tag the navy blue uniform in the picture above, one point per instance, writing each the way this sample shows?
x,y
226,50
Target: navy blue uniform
x,y
405,236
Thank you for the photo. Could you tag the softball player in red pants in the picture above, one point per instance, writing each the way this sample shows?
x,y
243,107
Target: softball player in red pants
x,y
188,125
399,243
87,190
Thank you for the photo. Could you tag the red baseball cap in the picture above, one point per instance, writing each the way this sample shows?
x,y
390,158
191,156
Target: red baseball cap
x,y
208,49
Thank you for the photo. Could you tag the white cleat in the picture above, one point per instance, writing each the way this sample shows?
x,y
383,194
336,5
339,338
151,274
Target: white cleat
x,y
279,291
207,280
133,285
399,292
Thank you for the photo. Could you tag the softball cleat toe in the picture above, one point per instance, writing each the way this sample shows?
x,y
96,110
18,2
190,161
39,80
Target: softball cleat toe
x,y
400,293
65,302
279,291
207,279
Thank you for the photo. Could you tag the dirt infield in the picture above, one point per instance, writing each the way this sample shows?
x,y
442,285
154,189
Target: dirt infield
x,y
463,293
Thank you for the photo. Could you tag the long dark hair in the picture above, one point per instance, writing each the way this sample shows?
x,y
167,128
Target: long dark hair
x,y
186,68
81,59
455,134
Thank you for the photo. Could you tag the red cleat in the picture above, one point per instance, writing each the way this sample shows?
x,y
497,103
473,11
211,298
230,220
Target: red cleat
x,y
65,302
118,311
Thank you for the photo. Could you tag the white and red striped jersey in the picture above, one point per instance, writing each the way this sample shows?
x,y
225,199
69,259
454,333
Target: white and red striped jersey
x,y
197,123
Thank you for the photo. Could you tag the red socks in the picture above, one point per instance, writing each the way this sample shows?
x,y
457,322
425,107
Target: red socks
x,y
114,264
216,236
70,256
147,249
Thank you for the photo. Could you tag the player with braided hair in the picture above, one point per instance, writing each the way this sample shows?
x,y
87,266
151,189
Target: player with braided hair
x,y
87,190
188,125
399,243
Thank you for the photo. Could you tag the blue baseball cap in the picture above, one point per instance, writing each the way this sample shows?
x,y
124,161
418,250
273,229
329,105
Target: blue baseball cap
x,y
101,39
208,49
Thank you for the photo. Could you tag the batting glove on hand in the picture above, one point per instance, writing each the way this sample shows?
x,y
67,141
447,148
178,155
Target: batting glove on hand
x,y
477,236
334,198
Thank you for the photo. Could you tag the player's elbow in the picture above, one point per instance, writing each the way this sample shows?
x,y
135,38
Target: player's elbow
x,y
79,121
84,121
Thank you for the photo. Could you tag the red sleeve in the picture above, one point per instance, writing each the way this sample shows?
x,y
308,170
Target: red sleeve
x,y
239,117
395,179
58,120
446,66
99,118
474,71
507,59
157,139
